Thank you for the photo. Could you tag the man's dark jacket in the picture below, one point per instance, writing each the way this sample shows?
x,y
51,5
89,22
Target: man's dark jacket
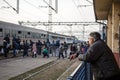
x,y
102,60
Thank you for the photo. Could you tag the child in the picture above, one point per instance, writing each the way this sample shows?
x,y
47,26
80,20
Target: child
x,y
45,52
34,50
61,51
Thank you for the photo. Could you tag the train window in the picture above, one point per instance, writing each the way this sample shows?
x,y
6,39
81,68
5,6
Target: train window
x,y
28,33
7,32
39,35
25,36
54,37
33,35
1,31
19,32
44,35
13,33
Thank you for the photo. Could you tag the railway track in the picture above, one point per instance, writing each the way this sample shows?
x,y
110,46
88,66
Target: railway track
x,y
33,74
53,71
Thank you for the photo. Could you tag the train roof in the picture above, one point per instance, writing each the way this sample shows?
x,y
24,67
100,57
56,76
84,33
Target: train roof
x,y
25,28
56,34
19,27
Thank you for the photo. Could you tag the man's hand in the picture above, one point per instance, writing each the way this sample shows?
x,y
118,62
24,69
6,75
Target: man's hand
x,y
80,57
73,56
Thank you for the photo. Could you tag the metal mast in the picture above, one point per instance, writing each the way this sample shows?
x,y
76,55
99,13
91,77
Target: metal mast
x,y
50,16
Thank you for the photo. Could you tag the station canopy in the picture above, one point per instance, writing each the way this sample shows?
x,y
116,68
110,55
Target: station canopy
x,y
102,8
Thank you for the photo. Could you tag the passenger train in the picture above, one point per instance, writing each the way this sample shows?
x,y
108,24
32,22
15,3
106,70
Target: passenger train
x,y
27,33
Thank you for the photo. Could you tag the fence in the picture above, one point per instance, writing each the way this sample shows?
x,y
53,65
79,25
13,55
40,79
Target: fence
x,y
82,72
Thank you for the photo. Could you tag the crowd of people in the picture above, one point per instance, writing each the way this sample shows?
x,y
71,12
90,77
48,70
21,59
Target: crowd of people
x,y
95,51
30,48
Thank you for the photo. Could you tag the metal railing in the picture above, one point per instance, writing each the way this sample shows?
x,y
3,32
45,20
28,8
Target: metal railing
x,y
82,72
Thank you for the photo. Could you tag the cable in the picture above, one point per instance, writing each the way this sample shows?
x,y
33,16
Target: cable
x,y
31,4
83,10
13,16
89,1
30,14
22,16
6,12
49,5
87,13
10,5
35,6
77,9
84,5
38,8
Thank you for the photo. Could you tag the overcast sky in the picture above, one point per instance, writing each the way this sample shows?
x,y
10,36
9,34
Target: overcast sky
x,y
33,10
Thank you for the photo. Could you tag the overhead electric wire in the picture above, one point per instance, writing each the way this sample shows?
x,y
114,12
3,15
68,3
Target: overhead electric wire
x,y
30,14
89,1
32,4
84,5
83,9
39,8
26,16
15,16
35,6
49,5
6,12
80,13
9,5
42,11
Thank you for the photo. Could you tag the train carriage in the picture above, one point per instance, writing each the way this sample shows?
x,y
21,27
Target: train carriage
x,y
27,33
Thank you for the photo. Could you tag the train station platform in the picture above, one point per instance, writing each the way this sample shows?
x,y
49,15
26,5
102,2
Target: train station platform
x,y
15,66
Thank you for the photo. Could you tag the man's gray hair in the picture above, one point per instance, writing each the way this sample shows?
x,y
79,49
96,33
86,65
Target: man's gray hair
x,y
95,35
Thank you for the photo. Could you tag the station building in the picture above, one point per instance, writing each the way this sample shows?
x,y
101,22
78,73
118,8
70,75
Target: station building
x,y
110,10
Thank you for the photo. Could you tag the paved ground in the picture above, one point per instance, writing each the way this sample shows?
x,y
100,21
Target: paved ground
x,y
15,66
